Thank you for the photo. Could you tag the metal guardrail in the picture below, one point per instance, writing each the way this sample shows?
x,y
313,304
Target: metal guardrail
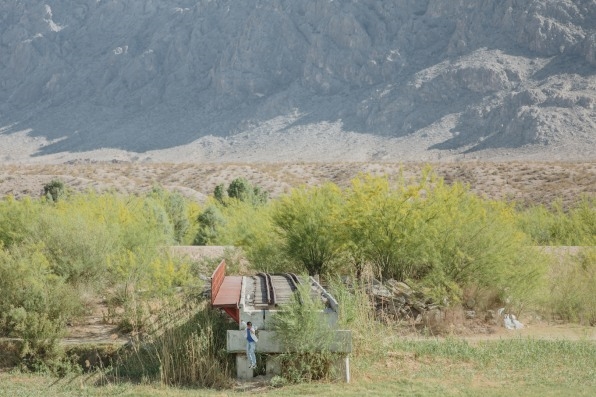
x,y
217,279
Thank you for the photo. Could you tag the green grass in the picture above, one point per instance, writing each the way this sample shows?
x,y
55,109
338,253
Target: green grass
x,y
524,363
453,367
34,386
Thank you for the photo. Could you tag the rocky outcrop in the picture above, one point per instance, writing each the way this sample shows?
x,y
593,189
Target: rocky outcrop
x,y
154,74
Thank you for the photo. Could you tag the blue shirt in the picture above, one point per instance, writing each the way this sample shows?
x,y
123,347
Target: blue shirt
x,y
249,336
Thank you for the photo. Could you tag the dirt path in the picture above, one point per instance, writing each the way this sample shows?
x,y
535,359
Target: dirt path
x,y
108,334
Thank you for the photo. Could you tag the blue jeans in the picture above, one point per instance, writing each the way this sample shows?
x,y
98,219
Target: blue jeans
x,y
250,352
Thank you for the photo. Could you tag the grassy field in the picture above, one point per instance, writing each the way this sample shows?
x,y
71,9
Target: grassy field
x,y
384,364
450,367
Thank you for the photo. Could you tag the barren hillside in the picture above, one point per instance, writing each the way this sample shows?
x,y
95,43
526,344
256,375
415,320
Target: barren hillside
x,y
297,80
522,182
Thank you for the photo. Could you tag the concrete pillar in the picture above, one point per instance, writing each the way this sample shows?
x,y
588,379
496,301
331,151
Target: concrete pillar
x,y
342,366
347,369
242,367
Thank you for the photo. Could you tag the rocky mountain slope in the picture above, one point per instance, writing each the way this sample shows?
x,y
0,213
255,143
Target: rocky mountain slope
x,y
272,80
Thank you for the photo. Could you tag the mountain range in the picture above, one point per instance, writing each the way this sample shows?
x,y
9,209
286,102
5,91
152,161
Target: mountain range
x,y
297,80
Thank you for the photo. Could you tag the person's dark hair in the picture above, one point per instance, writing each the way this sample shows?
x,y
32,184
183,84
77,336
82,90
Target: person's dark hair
x,y
249,323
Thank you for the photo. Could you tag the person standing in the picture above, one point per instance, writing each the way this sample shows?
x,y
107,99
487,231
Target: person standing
x,y
251,344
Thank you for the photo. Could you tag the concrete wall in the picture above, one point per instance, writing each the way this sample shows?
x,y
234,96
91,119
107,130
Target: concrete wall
x,y
269,343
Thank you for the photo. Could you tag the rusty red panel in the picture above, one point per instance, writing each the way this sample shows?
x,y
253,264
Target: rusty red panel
x,y
225,291
234,313
217,279
229,292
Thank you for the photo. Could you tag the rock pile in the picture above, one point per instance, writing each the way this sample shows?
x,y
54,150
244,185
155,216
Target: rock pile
x,y
397,301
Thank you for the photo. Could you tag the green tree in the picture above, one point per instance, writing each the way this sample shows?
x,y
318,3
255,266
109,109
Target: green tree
x,y
177,211
210,222
377,220
241,189
443,238
54,190
17,219
251,228
306,221
220,193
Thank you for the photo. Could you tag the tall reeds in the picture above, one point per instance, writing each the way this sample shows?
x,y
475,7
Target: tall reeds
x,y
187,347
194,353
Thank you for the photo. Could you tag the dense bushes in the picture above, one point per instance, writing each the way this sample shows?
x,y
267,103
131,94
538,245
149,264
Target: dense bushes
x,y
440,237
104,244
34,302
571,287
307,222
306,338
555,226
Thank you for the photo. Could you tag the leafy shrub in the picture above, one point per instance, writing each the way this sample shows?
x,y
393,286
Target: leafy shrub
x,y
102,239
34,303
54,190
75,245
17,219
441,238
306,222
177,210
92,242
210,222
300,328
571,290
555,226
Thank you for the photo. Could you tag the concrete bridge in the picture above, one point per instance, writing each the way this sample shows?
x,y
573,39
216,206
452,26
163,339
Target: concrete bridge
x,y
258,299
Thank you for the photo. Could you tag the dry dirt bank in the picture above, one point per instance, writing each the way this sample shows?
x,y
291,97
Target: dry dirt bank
x,y
522,181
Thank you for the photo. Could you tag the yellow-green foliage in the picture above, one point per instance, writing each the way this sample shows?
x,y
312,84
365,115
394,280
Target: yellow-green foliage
x,y
244,222
96,242
357,313
106,238
572,287
34,302
153,272
576,226
300,329
441,237
307,222
470,241
251,227
17,219
378,219
175,213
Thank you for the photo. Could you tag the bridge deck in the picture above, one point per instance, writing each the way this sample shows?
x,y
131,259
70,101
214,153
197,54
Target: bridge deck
x,y
225,291
228,294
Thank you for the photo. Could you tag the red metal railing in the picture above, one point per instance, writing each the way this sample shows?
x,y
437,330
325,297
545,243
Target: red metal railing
x,y
217,279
